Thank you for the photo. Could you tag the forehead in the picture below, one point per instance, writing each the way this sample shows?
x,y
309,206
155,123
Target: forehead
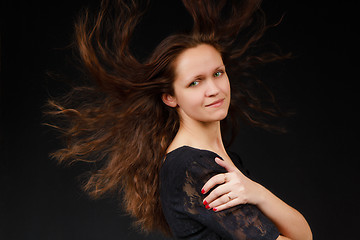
x,y
200,60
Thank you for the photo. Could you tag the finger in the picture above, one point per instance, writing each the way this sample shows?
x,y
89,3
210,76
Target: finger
x,y
213,181
225,198
227,205
228,166
217,193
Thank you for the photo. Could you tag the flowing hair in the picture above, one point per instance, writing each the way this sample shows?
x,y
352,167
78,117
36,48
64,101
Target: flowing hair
x,y
119,122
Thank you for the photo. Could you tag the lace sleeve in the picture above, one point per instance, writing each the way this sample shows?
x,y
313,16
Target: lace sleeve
x,y
240,222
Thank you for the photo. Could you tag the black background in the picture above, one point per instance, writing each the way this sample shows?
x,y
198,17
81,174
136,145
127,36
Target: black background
x,y
312,167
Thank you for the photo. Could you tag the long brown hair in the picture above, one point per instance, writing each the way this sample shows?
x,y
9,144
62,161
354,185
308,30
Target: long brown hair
x,y
120,123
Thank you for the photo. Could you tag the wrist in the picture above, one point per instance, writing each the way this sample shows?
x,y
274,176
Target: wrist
x,y
262,194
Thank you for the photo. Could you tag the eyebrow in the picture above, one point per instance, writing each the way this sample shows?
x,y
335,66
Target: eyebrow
x,y
201,75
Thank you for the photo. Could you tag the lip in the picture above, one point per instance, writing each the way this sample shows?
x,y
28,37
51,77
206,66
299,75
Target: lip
x,y
216,103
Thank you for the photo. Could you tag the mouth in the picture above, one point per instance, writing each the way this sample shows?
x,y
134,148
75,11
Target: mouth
x,y
216,103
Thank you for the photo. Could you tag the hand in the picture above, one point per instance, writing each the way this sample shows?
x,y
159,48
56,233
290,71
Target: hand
x,y
234,189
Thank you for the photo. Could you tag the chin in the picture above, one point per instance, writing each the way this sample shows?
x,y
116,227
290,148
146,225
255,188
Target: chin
x,y
218,116
222,118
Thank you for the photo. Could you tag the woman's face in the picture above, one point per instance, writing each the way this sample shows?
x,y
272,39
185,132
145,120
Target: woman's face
x,y
201,86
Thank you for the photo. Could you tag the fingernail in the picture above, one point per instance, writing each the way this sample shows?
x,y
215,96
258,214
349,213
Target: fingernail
x,y
219,158
207,206
214,209
202,191
205,202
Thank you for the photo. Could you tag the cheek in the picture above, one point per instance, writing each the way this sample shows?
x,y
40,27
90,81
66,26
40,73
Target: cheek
x,y
225,86
190,101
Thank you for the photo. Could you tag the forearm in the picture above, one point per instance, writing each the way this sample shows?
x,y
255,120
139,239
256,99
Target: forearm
x,y
288,220
234,188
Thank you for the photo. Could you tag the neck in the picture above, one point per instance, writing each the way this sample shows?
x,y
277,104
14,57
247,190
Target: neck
x,y
200,135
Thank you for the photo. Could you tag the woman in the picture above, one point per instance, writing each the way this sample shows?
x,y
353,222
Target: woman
x,y
153,129
202,97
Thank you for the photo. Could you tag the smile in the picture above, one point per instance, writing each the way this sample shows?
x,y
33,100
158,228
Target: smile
x,y
217,103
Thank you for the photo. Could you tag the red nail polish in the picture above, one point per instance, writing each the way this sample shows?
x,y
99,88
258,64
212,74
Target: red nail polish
x,y
214,209
207,207
205,202
202,191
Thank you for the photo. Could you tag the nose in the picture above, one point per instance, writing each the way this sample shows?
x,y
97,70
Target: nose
x,y
211,89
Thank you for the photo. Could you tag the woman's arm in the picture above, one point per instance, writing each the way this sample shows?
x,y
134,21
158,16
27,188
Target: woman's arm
x,y
183,175
282,238
235,188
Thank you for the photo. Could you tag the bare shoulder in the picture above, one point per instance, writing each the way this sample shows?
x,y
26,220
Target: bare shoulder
x,y
173,146
178,142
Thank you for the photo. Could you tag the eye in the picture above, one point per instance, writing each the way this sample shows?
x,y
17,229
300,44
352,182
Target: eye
x,y
218,73
194,83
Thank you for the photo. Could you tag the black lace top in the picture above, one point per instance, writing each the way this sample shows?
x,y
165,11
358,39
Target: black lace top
x,y
182,177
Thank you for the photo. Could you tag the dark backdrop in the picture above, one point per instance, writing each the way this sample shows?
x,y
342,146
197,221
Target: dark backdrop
x,y
312,167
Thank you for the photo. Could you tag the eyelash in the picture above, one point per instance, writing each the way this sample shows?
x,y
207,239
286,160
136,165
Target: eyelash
x,y
192,84
221,72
